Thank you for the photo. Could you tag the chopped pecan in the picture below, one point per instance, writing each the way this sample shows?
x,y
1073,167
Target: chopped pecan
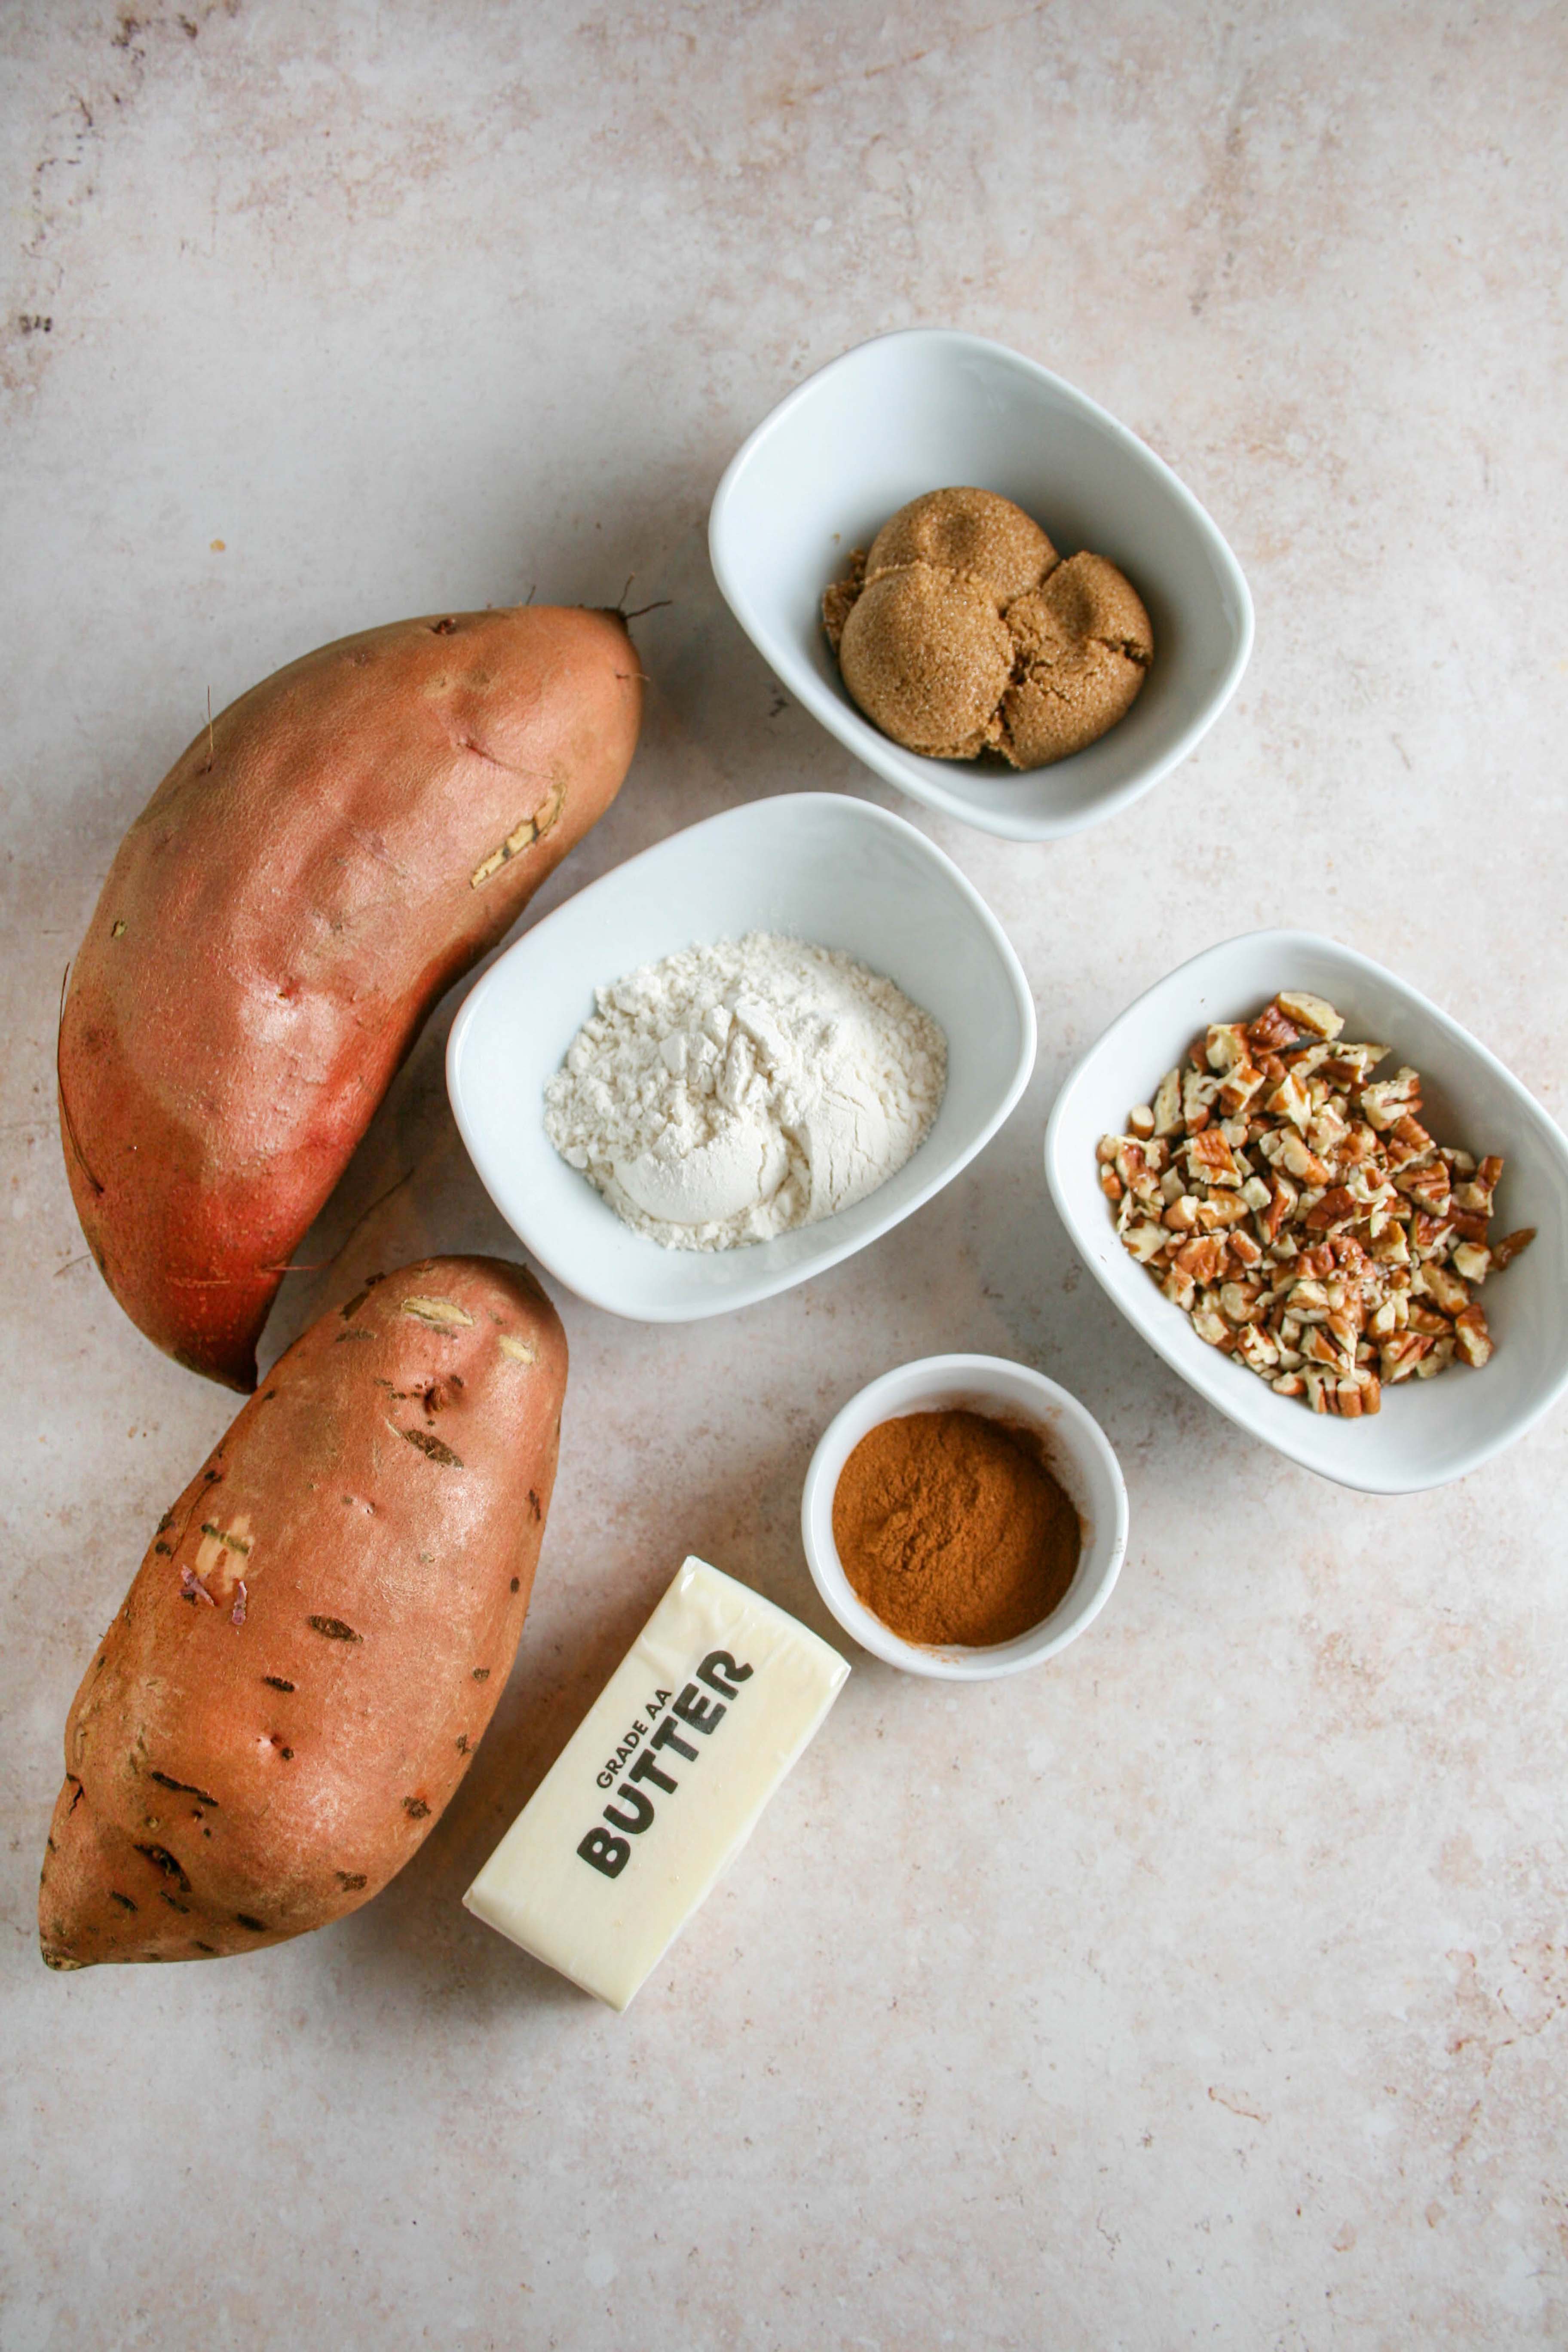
x,y
1258,1349
1427,1187
1302,1161
1271,1030
1168,1104
1386,1100
1212,1326
1199,1093
1408,1138
1443,1288
1211,1159
1290,1100
1328,1127
1337,1207
1391,1248
1200,1259
1225,1045
1179,1288
1472,1340
1429,1235
1398,1357
1240,1087
1304,1215
1309,1012
1221,1209
1282,1199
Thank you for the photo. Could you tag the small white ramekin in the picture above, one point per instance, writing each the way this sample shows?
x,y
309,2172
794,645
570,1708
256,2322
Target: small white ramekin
x,y
1079,1455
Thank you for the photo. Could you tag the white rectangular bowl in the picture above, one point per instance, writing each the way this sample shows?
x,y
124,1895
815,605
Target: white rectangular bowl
x,y
1428,1431
930,409
812,866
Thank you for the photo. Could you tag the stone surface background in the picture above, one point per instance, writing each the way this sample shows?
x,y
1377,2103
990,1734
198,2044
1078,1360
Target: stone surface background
x,y
1206,1988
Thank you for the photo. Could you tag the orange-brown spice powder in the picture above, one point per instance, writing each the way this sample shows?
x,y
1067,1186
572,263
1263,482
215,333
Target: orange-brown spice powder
x,y
952,1529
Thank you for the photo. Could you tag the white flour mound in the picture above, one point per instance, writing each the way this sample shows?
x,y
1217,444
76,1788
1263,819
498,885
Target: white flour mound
x,y
732,1092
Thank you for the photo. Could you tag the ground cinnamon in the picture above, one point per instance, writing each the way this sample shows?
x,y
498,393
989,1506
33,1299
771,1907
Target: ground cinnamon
x,y
952,1529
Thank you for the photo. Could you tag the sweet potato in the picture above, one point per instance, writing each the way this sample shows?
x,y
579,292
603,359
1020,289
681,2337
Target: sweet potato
x,y
317,1636
340,846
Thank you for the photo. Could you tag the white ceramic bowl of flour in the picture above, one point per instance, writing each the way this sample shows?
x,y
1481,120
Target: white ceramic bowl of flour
x,y
809,865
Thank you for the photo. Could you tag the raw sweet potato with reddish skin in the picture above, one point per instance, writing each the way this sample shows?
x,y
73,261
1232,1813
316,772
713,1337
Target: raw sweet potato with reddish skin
x,y
307,880
320,1631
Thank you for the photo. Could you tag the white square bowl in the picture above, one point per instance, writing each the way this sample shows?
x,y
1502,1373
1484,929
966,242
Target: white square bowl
x,y
1428,1431
931,408
812,866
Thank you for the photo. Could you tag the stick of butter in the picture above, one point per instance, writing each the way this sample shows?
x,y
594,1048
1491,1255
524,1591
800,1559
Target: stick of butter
x,y
661,1784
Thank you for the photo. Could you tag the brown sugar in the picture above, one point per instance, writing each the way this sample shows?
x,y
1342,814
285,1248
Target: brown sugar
x,y
963,632
950,1528
1083,648
972,531
927,657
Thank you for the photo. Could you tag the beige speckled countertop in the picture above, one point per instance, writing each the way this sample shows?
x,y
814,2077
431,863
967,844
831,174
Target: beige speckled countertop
x,y
1209,1987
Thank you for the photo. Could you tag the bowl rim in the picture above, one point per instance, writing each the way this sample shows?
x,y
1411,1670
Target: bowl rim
x,y
874,750
535,1238
934,1373
1363,1479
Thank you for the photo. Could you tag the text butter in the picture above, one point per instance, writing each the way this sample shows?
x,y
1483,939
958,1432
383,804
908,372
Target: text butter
x,y
660,1786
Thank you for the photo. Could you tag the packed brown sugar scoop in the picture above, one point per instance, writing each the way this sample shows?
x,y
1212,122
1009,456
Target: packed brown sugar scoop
x,y
962,631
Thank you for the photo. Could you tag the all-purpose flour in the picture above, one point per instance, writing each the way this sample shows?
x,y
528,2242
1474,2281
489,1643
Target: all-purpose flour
x,y
734,1091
